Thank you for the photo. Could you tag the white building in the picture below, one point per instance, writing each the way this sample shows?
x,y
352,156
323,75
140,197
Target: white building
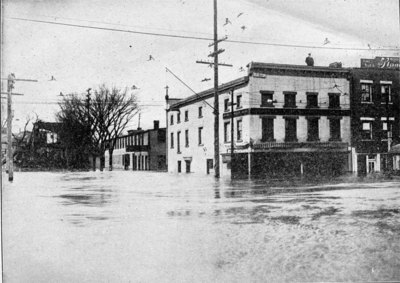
x,y
287,119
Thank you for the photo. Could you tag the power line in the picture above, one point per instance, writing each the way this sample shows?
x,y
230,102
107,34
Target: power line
x,y
205,38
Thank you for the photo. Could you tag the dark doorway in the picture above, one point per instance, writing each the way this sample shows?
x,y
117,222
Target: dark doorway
x,y
210,165
187,166
127,161
179,166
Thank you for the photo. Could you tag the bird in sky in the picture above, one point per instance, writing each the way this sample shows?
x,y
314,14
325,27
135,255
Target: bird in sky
x,y
241,69
239,15
130,46
134,87
150,58
52,78
326,41
243,28
205,79
227,21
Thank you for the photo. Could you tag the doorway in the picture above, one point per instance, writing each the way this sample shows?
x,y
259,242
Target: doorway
x,y
210,165
187,166
179,166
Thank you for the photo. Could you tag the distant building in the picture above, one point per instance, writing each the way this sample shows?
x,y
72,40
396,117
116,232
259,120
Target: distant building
x,y
140,150
375,115
287,120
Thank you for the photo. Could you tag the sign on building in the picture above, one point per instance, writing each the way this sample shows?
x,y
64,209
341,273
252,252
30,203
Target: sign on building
x,y
382,63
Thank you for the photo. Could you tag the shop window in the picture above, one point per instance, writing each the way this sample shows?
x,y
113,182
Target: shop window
x,y
267,125
334,129
267,99
366,92
290,129
312,129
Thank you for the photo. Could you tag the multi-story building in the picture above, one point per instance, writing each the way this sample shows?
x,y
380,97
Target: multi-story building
x,y
375,114
140,150
284,119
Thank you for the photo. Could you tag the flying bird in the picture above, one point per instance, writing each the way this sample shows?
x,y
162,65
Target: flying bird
x,y
150,58
326,41
52,78
243,28
241,69
130,46
239,15
134,87
205,79
61,94
227,21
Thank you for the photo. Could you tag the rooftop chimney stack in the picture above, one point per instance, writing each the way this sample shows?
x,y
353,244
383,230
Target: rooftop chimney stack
x,y
309,60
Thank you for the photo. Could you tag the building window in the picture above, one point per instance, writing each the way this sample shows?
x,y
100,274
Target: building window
x,y
178,117
290,99
172,140
334,128
267,99
178,142
366,92
366,133
226,105
290,129
187,138
312,129
186,115
334,100
227,132
267,125
385,128
239,136
200,136
172,120
386,94
200,112
312,100
238,101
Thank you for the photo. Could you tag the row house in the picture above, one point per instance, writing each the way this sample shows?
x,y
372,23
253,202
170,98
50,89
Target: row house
x,y
140,150
375,116
280,119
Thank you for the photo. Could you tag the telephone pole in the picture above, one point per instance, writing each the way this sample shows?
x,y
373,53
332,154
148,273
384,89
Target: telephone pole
x,y
10,156
216,95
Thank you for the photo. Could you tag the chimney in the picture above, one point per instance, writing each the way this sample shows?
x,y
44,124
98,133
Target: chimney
x,y
156,124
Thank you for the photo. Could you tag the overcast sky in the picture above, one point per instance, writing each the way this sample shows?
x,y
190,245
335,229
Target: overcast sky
x,y
80,58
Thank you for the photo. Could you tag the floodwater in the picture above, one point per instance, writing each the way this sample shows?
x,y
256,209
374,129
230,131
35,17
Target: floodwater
x,y
156,227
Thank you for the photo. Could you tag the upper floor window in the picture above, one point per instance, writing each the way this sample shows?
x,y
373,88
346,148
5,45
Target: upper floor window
x,y
312,99
267,98
226,105
187,138
178,142
172,140
334,129
239,136
290,129
334,100
312,129
366,133
200,135
187,115
267,129
366,92
290,99
239,101
386,93
387,127
227,136
172,120
178,117
200,111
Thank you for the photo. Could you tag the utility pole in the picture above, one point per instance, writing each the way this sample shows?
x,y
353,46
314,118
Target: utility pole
x,y
232,131
10,155
216,95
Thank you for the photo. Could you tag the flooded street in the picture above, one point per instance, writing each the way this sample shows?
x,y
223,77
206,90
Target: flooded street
x,y
157,227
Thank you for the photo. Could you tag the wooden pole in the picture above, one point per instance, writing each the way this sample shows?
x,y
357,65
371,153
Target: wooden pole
x,y
216,102
10,86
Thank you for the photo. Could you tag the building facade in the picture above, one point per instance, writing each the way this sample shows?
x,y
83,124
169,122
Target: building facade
x,y
375,117
140,150
280,119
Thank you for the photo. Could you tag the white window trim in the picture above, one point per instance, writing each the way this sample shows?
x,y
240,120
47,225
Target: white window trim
x,y
385,118
367,119
385,82
366,82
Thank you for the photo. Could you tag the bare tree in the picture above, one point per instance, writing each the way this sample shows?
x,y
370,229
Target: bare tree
x,y
111,110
